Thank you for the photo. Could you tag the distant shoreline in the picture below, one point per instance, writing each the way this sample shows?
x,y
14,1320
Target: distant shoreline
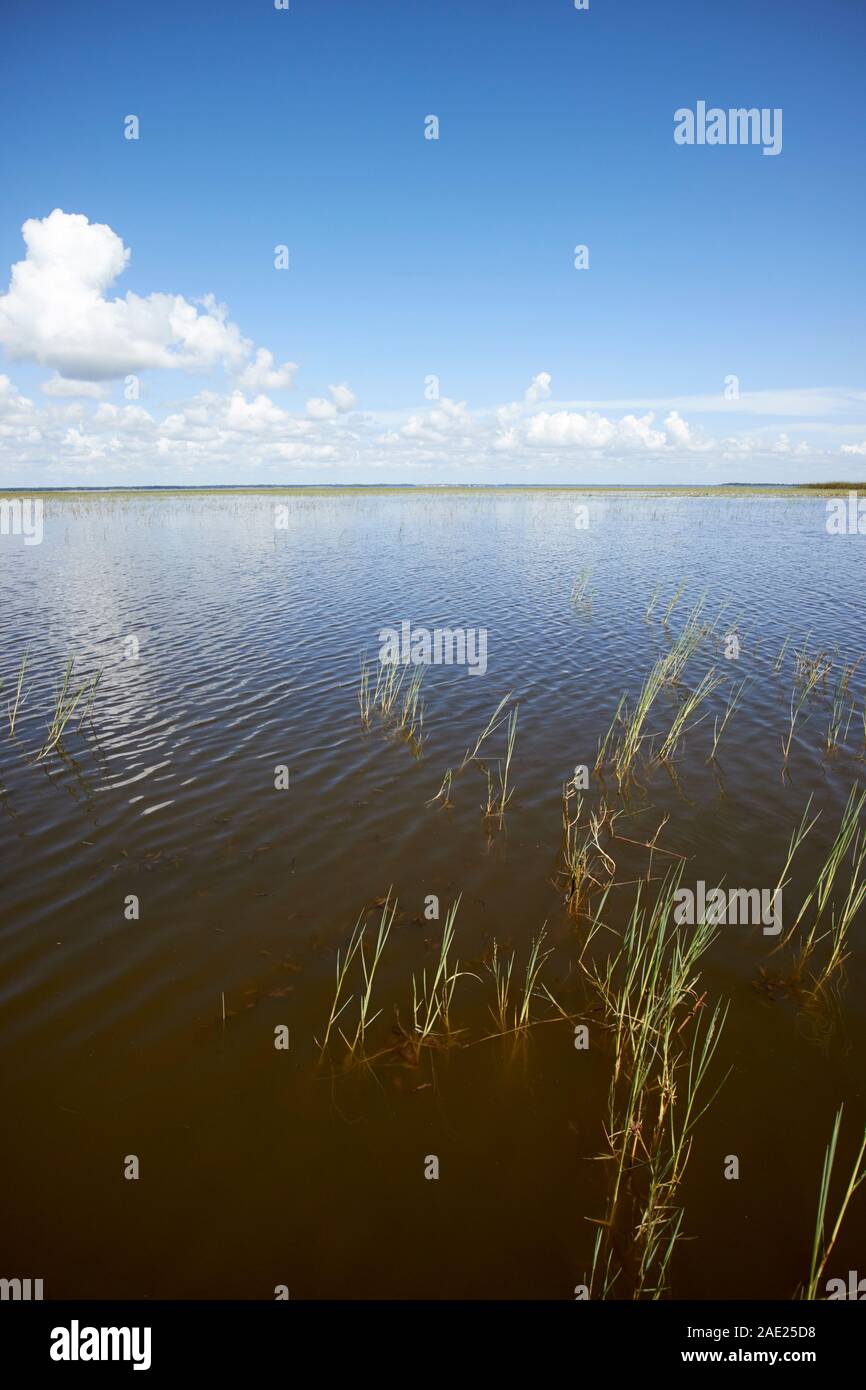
x,y
831,489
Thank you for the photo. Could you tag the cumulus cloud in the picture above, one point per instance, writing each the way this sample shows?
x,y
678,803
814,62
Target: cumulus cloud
x,y
592,431
57,312
235,434
444,420
263,375
538,389
342,400
68,387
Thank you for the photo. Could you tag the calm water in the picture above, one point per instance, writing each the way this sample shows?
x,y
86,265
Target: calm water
x,y
259,1167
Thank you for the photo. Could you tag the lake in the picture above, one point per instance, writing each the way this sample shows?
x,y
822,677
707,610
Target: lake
x,y
186,857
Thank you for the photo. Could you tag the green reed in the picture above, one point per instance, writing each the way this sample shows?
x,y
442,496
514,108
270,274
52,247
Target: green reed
x,y
512,1011
687,710
499,796
444,792
648,992
412,712
667,670
678,593
719,728
65,704
19,690
778,663
389,682
365,695
578,590
840,708
493,723
431,1000
823,1241
356,949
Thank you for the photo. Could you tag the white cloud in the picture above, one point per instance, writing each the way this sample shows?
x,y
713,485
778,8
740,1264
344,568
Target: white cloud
x,y
60,386
568,428
342,400
236,435
57,313
539,389
442,422
263,375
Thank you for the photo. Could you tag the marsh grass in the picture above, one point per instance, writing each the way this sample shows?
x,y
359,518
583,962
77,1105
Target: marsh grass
x,y
88,708
496,771
667,671
444,792
811,669
823,1239
586,866
431,999
498,796
66,703
832,903
648,989
513,1013
493,723
365,696
369,964
412,711
840,708
588,863
606,740
810,673
719,727
685,717
19,693
677,595
579,588
389,682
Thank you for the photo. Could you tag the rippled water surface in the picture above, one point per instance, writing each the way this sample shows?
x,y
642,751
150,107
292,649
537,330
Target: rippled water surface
x,y
262,1166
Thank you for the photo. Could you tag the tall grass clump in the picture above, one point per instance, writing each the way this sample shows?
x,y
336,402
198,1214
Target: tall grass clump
x,y
687,710
66,702
431,999
666,671
512,1011
833,902
663,1047
412,712
369,961
824,1240
498,792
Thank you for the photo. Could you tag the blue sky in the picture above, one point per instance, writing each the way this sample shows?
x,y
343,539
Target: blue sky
x,y
412,257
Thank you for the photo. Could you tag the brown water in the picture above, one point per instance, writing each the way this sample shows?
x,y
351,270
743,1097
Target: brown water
x,y
260,1166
